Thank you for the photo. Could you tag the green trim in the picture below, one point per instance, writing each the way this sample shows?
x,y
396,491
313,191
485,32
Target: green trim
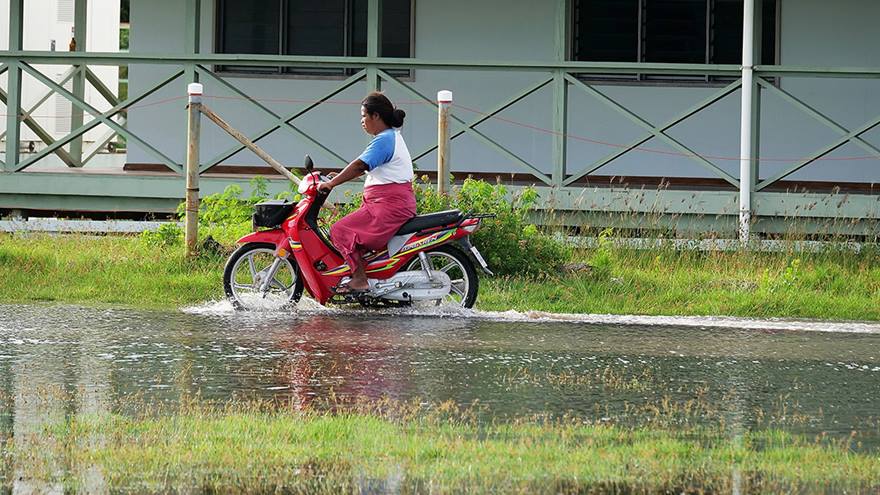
x,y
105,58
42,133
560,126
663,127
374,40
193,9
282,121
115,58
66,77
97,121
473,132
13,84
819,154
13,110
100,87
100,118
488,114
818,116
654,130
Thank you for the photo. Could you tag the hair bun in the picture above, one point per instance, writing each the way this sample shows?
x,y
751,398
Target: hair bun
x,y
399,115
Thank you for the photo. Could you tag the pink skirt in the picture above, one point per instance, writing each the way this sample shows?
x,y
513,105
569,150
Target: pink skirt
x,y
385,209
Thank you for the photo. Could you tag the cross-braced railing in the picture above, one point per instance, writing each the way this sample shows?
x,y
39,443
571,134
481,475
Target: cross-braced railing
x,y
559,182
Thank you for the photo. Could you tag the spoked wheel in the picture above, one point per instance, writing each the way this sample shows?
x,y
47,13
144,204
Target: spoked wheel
x,y
246,271
460,269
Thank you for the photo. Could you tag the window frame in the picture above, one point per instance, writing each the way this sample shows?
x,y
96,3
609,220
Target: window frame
x,y
280,72
646,79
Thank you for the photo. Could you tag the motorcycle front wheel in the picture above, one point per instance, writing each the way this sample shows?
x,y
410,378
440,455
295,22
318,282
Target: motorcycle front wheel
x,y
461,271
245,272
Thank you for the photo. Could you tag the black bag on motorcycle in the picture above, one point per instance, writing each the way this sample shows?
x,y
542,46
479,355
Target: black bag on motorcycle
x,y
270,214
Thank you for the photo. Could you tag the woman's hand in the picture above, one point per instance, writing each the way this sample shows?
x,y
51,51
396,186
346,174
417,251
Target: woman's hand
x,y
325,187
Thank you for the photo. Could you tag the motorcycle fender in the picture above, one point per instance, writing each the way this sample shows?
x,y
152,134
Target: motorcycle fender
x,y
274,236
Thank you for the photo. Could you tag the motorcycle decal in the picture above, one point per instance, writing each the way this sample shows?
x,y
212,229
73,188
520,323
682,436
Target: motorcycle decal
x,y
373,264
339,270
342,269
388,264
375,256
296,245
425,243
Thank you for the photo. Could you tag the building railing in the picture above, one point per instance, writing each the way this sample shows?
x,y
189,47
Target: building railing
x,y
560,187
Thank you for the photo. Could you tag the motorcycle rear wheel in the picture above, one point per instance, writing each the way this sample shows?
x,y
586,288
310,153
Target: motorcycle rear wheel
x,y
455,263
246,269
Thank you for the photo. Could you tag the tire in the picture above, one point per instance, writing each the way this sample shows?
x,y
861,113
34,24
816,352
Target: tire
x,y
241,273
460,269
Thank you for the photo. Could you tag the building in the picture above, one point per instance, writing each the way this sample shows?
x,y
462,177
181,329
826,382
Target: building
x,y
607,106
49,26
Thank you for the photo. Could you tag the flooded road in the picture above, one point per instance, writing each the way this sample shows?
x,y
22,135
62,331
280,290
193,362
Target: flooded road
x,y
805,377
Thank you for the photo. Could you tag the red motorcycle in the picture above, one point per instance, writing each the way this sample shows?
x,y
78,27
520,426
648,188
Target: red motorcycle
x,y
428,259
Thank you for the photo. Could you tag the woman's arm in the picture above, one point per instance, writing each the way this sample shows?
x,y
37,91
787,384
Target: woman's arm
x,y
354,169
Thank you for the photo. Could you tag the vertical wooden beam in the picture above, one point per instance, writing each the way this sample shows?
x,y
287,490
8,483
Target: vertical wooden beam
x,y
191,221
80,33
13,99
374,39
560,95
444,103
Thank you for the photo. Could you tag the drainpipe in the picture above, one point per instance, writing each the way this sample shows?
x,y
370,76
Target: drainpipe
x,y
745,137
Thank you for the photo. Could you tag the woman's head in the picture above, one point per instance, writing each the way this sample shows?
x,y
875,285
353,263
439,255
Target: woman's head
x,y
378,114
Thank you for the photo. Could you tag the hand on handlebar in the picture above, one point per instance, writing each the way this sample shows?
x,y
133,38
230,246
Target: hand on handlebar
x,y
324,186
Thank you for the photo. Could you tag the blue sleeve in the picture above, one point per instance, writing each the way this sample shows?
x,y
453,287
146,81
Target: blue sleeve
x,y
379,151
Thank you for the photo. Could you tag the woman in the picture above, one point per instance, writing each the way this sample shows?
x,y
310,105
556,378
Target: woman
x,y
389,200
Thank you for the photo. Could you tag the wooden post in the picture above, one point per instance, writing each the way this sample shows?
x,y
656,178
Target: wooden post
x,y
192,168
444,102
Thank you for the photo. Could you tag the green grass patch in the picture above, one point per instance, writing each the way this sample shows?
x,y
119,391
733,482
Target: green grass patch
x,y
130,271
104,270
255,448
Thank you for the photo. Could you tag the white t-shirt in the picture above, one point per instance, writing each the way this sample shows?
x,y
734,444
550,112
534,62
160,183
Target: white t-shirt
x,y
388,160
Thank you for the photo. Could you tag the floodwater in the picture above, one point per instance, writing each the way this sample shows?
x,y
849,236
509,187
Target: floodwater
x,y
825,379
806,377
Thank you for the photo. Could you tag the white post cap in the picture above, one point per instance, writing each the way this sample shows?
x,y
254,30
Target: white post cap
x,y
194,89
444,96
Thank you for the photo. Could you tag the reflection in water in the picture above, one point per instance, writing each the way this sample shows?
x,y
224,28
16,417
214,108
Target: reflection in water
x,y
805,382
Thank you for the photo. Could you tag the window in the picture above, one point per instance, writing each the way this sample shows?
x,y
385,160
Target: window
x,y
307,27
667,31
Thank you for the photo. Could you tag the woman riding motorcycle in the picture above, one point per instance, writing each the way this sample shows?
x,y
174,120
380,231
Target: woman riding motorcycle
x,y
389,201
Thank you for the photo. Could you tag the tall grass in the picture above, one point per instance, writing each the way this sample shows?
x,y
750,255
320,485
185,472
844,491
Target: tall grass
x,y
262,447
834,283
104,270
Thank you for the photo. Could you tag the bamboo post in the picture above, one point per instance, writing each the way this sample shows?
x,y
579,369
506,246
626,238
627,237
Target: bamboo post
x,y
194,91
444,102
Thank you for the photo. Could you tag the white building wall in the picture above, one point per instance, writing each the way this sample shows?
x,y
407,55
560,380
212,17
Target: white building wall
x,y
48,25
523,30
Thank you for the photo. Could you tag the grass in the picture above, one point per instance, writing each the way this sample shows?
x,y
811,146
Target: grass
x,y
127,271
261,447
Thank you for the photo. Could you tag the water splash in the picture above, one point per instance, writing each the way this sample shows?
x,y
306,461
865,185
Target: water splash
x,y
310,307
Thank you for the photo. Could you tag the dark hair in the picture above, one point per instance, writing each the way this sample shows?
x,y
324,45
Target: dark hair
x,y
376,102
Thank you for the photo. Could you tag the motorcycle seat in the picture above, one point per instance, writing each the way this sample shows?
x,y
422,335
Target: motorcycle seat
x,y
423,222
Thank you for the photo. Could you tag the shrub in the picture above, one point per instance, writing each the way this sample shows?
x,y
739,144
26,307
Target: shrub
x,y
169,234
509,242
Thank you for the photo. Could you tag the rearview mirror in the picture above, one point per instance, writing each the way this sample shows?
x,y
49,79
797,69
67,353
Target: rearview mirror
x,y
309,164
